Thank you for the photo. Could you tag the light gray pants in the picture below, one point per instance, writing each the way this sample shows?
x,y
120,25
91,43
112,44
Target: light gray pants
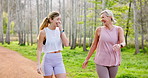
x,y
53,63
106,71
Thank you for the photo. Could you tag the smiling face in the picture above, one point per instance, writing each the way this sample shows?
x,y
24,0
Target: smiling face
x,y
56,21
105,19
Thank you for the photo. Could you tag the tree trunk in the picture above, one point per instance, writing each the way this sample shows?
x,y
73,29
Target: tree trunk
x,y
80,25
84,40
8,25
76,19
142,27
90,35
135,28
63,14
21,23
103,4
60,6
37,4
18,19
47,7
31,37
73,25
51,5
1,22
127,25
25,23
96,14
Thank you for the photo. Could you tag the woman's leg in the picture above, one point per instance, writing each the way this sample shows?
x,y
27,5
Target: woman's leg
x,y
102,71
59,68
63,75
60,71
113,71
48,76
47,67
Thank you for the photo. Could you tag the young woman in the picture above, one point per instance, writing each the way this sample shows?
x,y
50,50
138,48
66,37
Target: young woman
x,y
107,43
50,41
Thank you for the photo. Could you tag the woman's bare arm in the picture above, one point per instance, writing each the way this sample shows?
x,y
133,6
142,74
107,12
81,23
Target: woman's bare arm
x,y
121,37
94,44
39,45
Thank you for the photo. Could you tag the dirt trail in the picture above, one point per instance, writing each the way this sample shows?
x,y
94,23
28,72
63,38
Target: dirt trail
x,y
13,65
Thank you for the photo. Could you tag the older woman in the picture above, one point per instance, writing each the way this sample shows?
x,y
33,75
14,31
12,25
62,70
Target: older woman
x,y
107,43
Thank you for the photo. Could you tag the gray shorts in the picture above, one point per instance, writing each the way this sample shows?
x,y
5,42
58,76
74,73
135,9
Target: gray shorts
x,y
52,63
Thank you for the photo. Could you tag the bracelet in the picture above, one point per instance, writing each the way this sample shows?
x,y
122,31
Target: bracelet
x,y
121,45
62,31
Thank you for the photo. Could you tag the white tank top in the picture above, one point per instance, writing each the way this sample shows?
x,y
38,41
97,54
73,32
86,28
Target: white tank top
x,y
53,40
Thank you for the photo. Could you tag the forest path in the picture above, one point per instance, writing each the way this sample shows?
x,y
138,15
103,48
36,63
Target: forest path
x,y
14,65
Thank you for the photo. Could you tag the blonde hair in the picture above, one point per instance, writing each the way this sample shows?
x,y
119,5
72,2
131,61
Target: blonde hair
x,y
109,13
46,20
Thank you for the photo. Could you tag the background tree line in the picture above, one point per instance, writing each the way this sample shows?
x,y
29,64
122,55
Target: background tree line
x,y
20,20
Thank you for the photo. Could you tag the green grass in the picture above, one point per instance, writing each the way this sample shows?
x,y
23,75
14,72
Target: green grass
x,y
132,66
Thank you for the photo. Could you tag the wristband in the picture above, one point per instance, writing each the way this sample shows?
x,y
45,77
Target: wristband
x,y
62,31
121,45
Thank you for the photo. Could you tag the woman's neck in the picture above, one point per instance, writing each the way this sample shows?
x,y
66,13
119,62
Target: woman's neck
x,y
50,26
109,26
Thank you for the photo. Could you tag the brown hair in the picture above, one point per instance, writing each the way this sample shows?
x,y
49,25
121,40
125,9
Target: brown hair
x,y
46,20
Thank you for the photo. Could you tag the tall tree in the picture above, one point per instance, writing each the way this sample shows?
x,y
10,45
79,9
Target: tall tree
x,y
103,4
76,19
60,6
96,12
73,45
84,40
9,22
21,22
37,4
18,20
135,27
63,14
24,21
31,35
127,25
142,27
1,22
80,25
50,5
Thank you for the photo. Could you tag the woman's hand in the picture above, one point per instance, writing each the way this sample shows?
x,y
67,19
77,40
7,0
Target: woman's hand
x,y
84,65
39,69
116,47
60,26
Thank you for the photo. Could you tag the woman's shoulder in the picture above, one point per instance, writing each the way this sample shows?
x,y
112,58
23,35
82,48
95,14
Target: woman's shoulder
x,y
119,28
42,32
99,28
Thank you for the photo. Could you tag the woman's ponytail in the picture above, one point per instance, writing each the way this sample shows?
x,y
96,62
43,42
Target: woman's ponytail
x,y
44,23
46,20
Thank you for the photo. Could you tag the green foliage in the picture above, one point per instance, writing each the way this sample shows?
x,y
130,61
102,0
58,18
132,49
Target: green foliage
x,y
12,28
95,2
80,22
5,21
110,3
132,66
120,10
127,76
